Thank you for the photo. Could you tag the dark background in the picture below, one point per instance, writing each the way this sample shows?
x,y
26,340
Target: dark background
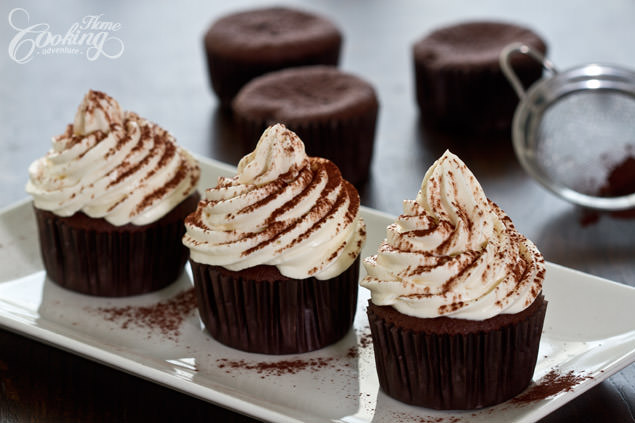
x,y
162,76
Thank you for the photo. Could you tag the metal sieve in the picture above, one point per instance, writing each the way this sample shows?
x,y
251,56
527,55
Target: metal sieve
x,y
572,127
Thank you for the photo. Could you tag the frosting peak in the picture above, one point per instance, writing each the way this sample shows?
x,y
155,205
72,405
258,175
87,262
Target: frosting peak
x,y
113,165
450,193
454,253
279,153
97,112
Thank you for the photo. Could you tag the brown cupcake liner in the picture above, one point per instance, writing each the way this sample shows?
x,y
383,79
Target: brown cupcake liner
x,y
111,261
275,316
464,100
347,142
227,76
460,371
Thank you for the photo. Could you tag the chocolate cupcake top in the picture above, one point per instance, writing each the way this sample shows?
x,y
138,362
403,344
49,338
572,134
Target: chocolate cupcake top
x,y
272,35
454,253
308,92
283,209
470,44
114,165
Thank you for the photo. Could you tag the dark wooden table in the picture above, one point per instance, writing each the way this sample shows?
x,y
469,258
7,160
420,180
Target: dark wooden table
x,y
161,75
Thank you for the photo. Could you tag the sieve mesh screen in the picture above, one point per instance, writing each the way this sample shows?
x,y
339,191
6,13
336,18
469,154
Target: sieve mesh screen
x,y
583,134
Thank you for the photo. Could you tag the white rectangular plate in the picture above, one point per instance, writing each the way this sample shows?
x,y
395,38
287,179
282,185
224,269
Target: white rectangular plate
x,y
588,330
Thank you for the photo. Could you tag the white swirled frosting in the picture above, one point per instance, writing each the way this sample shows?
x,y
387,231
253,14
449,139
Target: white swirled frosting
x,y
454,253
283,209
114,165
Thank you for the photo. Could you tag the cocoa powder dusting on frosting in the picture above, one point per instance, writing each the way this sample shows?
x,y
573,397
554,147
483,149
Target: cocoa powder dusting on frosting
x,y
353,207
120,143
336,252
423,232
322,203
161,141
94,97
115,204
439,261
334,180
448,285
149,199
195,219
67,134
76,139
312,181
146,131
122,172
279,229
274,188
161,137
444,245
448,308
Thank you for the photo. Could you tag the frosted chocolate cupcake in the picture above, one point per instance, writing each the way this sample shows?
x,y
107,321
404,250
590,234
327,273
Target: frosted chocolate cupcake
x,y
110,198
274,250
456,309
244,45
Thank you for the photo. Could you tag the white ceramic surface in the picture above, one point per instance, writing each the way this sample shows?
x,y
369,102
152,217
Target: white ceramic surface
x,y
589,329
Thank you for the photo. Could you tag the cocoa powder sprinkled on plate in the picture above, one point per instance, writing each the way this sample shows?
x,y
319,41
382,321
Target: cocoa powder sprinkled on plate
x,y
277,368
365,340
165,316
551,384
290,367
403,417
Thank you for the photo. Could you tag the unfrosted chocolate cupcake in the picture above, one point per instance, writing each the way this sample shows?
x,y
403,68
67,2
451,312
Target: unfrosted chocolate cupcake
x,y
274,251
333,112
110,198
244,45
460,86
456,309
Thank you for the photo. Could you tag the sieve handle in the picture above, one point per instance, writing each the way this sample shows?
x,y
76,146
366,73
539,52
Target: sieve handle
x,y
504,60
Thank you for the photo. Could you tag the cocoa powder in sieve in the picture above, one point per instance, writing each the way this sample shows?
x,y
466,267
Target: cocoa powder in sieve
x,y
620,181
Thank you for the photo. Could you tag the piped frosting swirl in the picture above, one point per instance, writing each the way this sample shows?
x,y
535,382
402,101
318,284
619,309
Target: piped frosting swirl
x,y
283,209
114,165
454,253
